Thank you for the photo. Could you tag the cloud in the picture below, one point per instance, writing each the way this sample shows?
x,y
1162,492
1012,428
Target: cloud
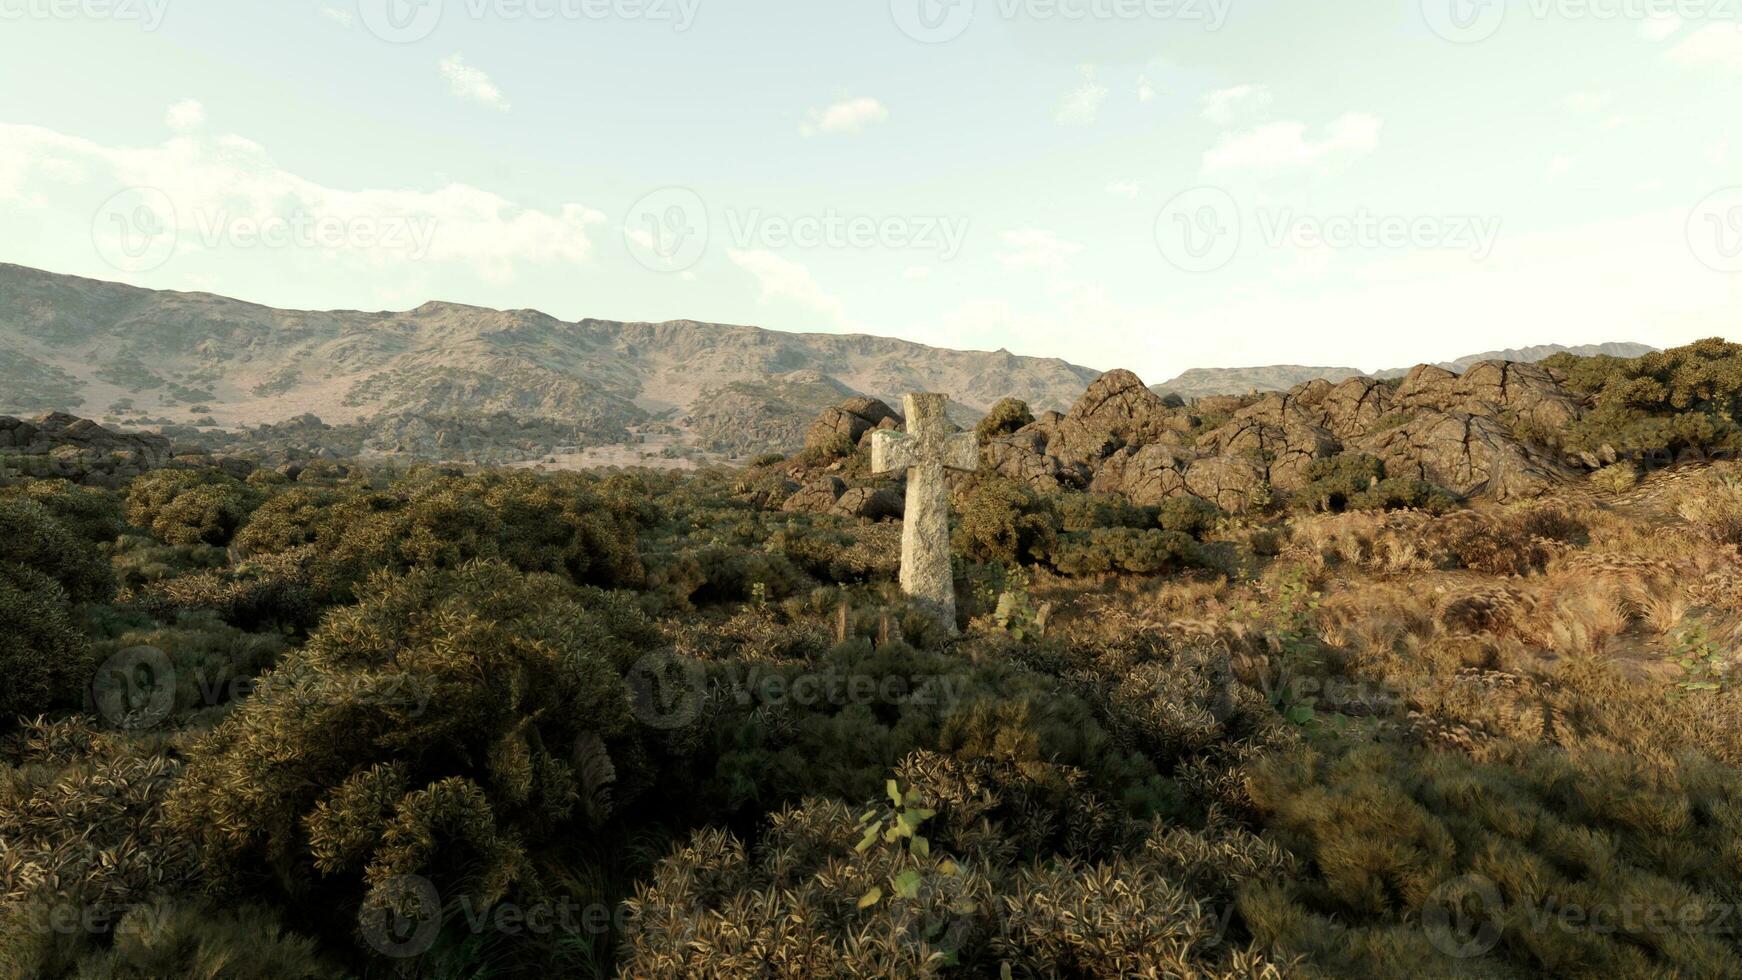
x,y
215,184
1035,248
917,273
1659,27
851,116
1125,188
1712,46
1560,166
1589,101
337,15
782,278
1283,145
1227,106
1083,106
1145,91
471,84
184,116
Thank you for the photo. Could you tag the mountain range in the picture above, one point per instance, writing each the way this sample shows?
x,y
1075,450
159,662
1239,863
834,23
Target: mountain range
x,y
425,380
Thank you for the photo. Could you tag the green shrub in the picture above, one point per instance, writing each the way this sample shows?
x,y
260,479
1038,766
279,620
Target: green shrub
x,y
1331,482
1005,521
1404,493
1617,478
1009,415
1095,511
476,705
31,538
184,507
1147,552
1662,404
91,514
1190,514
43,660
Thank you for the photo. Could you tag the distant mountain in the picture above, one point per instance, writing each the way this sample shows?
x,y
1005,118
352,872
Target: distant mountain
x,y
124,354
1202,382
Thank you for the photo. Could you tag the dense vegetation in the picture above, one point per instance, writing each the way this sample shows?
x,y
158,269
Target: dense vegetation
x,y
434,723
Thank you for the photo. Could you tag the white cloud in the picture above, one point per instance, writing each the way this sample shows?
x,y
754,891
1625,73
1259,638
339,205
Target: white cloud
x,y
1659,27
337,15
1145,91
1228,106
1083,106
219,183
1035,248
851,116
1560,166
1277,146
1125,188
1590,102
185,116
471,84
782,278
917,273
1712,46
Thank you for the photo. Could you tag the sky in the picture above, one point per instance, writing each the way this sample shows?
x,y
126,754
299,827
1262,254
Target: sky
x,y
1149,184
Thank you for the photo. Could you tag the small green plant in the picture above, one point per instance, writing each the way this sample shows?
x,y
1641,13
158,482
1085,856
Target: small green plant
x,y
1016,613
900,823
1705,669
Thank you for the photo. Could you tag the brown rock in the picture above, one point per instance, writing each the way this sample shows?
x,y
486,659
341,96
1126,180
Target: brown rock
x,y
849,420
1147,476
817,497
869,503
1229,482
1120,404
1467,454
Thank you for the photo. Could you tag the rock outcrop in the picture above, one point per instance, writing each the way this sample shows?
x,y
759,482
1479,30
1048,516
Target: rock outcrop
x,y
59,446
851,420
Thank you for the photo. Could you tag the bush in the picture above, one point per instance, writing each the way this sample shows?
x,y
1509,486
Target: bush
x,y
1617,478
91,514
1662,404
1005,521
1147,552
1094,511
1404,493
1009,415
1331,482
184,507
43,659
1190,515
476,705
31,538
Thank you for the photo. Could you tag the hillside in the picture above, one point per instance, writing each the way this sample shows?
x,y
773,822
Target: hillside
x,y
141,357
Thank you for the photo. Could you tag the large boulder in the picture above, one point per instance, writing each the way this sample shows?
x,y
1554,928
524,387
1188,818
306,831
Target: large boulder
x,y
816,497
1147,476
870,504
1230,482
1119,403
850,420
1467,454
1526,392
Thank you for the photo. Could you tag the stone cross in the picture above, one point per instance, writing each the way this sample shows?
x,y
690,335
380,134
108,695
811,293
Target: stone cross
x,y
926,451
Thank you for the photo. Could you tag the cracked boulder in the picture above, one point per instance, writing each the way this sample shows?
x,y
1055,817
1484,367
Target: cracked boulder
x,y
1467,454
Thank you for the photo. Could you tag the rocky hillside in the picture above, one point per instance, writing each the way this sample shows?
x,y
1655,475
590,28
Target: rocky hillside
x,y
1206,382
137,356
1474,435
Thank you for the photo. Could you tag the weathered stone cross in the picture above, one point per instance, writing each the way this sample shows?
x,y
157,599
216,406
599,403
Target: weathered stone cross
x,y
926,451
